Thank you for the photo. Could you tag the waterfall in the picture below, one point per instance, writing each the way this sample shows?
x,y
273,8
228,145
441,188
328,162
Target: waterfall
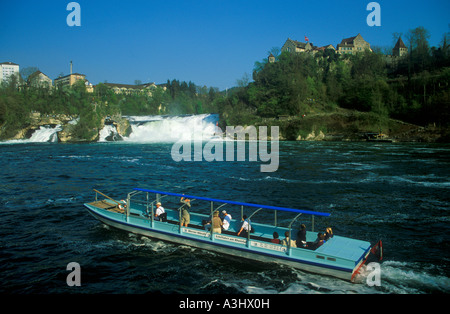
x,y
45,134
109,134
172,128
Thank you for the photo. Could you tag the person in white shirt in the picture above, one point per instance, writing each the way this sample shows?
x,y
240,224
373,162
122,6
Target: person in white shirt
x,y
159,211
246,227
226,220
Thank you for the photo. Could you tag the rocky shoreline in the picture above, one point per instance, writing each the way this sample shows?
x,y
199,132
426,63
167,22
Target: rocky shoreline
x,y
321,127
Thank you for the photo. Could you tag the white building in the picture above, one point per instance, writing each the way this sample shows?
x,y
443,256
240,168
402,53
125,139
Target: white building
x,y
7,69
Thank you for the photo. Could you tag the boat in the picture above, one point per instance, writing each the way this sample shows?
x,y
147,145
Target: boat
x,y
339,256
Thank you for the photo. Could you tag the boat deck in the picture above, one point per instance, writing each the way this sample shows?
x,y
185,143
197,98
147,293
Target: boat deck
x,y
344,248
108,205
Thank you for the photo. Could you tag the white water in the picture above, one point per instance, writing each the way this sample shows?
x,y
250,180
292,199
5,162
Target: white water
x,y
45,134
171,128
109,133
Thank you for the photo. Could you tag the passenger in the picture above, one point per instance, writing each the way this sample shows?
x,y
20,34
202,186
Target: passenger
x,y
185,215
328,234
246,227
207,223
287,240
226,220
160,214
216,223
275,238
319,241
301,237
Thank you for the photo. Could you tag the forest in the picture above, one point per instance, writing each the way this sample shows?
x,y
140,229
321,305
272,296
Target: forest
x,y
414,89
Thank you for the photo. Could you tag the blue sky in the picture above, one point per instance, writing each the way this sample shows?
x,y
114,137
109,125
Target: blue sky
x,y
208,42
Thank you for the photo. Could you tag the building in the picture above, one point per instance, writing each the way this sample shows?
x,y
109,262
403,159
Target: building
x,y
400,49
69,80
323,48
132,89
296,46
39,79
271,58
7,69
353,45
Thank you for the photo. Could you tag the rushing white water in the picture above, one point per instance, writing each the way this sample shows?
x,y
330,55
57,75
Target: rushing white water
x,y
172,128
45,134
109,134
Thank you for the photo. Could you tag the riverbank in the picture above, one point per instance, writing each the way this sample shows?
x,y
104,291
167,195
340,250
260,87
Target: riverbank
x,y
351,125
339,125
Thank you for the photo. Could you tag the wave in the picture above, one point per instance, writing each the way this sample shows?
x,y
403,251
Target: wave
x,y
403,277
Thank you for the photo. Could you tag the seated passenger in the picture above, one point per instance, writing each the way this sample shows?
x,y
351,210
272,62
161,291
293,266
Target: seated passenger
x,y
275,238
301,237
319,241
245,228
328,234
226,220
287,241
160,214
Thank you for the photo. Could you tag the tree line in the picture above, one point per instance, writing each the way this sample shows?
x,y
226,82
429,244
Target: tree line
x,y
17,101
414,88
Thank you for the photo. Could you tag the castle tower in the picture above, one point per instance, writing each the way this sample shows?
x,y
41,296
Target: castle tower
x,y
400,49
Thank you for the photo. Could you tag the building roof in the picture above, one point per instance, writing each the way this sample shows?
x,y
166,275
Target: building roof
x,y
9,63
298,44
330,46
400,44
141,86
61,77
348,41
36,74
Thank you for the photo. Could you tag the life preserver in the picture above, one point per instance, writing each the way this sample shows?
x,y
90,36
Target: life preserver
x,y
122,205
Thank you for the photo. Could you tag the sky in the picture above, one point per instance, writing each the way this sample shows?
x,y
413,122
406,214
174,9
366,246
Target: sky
x,y
211,43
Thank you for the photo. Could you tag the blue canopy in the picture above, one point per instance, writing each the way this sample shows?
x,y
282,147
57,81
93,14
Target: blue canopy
x,y
309,212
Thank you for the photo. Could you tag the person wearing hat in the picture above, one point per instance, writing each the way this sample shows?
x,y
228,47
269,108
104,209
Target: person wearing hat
x,y
160,212
185,216
226,220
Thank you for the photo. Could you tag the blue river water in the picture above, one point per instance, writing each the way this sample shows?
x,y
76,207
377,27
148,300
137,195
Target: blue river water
x,y
395,192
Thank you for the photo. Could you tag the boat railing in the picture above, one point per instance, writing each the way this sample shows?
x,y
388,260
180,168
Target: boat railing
x,y
159,195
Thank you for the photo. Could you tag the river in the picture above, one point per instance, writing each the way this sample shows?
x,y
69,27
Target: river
x,y
396,192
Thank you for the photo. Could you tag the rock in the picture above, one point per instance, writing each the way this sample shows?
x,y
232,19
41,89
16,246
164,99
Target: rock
x,y
312,137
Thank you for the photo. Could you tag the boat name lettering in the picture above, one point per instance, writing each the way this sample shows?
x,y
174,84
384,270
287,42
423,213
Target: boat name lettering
x,y
269,246
196,232
230,239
